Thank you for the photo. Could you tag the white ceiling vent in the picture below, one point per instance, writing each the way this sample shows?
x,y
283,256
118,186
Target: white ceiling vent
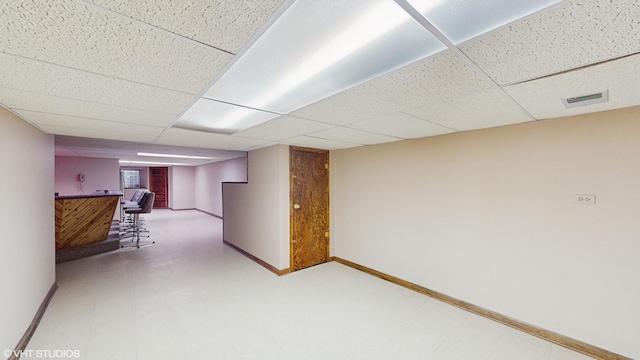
x,y
585,100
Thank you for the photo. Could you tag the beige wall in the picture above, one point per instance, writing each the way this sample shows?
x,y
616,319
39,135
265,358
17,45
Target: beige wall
x,y
256,214
27,244
489,217
209,179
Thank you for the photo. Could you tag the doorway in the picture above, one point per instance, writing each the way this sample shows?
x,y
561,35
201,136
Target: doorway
x,y
309,207
158,178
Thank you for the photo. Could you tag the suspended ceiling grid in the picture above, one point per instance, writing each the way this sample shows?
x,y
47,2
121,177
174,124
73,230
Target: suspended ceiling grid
x,y
112,77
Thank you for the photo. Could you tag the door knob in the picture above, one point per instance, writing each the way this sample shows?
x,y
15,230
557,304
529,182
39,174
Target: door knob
x,y
296,206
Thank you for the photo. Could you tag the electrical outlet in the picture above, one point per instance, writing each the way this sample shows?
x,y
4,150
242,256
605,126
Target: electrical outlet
x,y
585,199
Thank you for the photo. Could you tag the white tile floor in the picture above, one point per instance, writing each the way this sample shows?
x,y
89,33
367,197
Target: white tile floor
x,y
191,297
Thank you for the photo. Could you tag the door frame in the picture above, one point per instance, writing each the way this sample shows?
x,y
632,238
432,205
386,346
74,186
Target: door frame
x,y
292,149
166,184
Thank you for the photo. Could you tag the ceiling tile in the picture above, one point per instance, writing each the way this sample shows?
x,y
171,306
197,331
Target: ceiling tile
x,y
438,77
484,109
45,78
227,25
317,143
22,100
264,145
69,33
183,137
215,155
107,145
204,143
224,154
353,136
96,154
282,128
543,97
84,123
79,146
81,68
402,126
91,133
572,34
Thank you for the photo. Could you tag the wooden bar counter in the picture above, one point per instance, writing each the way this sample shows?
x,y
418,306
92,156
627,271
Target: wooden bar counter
x,y
84,219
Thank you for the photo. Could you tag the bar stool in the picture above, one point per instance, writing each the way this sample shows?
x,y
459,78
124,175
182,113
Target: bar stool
x,y
146,205
135,201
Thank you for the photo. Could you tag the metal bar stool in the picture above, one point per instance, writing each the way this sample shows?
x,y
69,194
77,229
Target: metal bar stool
x,y
146,205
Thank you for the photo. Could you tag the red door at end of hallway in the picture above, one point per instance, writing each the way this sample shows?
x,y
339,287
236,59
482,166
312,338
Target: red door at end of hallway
x,y
158,177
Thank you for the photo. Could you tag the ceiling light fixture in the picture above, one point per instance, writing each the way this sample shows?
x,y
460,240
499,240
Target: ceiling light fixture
x,y
176,156
215,116
314,50
365,30
123,162
461,20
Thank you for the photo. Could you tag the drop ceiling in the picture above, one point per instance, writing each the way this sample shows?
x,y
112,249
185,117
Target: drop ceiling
x,y
111,78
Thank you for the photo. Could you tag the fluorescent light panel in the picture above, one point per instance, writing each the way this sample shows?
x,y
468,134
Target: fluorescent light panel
x,y
176,156
149,162
319,48
214,116
461,20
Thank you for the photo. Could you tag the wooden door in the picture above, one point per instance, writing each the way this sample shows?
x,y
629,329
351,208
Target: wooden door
x,y
158,176
309,186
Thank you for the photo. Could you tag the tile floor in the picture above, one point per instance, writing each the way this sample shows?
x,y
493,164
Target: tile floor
x,y
191,297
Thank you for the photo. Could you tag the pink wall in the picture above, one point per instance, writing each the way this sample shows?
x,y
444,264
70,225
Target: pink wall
x,y
209,179
99,174
199,187
182,193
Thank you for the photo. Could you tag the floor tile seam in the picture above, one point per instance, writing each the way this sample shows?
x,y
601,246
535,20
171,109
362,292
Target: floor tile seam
x,y
494,345
449,335
91,329
519,332
138,342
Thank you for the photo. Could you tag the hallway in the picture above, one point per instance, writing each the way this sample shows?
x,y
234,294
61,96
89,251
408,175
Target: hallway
x,y
191,297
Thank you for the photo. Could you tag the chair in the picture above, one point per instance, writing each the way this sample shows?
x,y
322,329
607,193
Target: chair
x,y
135,199
126,222
146,205
134,202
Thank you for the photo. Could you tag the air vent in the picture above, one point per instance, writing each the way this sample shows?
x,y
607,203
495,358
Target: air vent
x,y
585,100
